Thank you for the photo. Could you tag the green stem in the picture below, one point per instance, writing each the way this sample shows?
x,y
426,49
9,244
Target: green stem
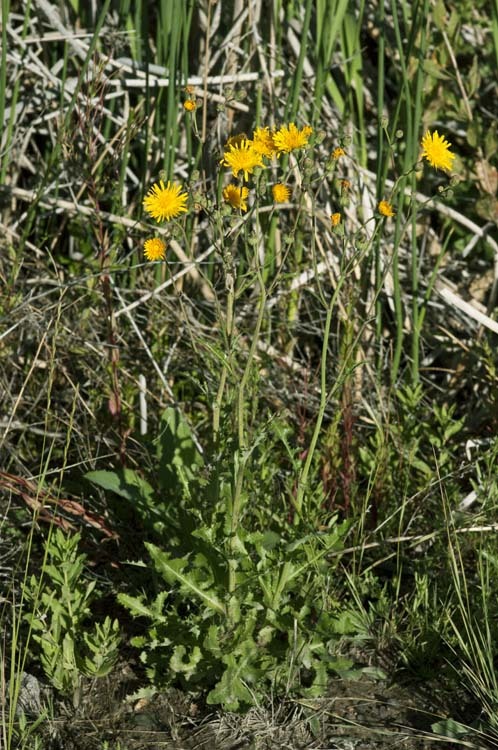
x,y
303,479
417,117
414,20
234,521
381,166
247,369
415,304
291,111
217,404
226,362
243,453
432,281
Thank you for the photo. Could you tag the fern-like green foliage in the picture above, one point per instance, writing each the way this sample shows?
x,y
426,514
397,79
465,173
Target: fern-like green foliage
x,y
60,608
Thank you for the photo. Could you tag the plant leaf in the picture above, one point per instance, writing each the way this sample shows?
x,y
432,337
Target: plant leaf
x,y
172,571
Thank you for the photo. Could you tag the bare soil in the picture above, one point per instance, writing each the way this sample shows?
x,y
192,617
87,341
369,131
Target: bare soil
x,y
355,715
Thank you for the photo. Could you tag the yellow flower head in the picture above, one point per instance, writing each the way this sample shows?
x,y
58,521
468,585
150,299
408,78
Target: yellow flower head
x,y
289,137
262,141
337,153
385,208
335,219
165,202
236,196
281,193
189,105
154,249
436,149
242,158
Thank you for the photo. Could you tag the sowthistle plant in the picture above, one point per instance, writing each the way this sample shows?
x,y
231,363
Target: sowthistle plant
x,y
237,606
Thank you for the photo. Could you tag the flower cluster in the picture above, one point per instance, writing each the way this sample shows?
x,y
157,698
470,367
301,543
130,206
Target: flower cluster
x,y
436,151
243,155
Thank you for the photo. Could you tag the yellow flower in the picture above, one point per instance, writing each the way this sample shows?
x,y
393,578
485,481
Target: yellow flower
x,y
335,219
280,192
189,105
242,158
337,153
236,196
289,137
154,249
385,208
165,202
436,150
262,141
